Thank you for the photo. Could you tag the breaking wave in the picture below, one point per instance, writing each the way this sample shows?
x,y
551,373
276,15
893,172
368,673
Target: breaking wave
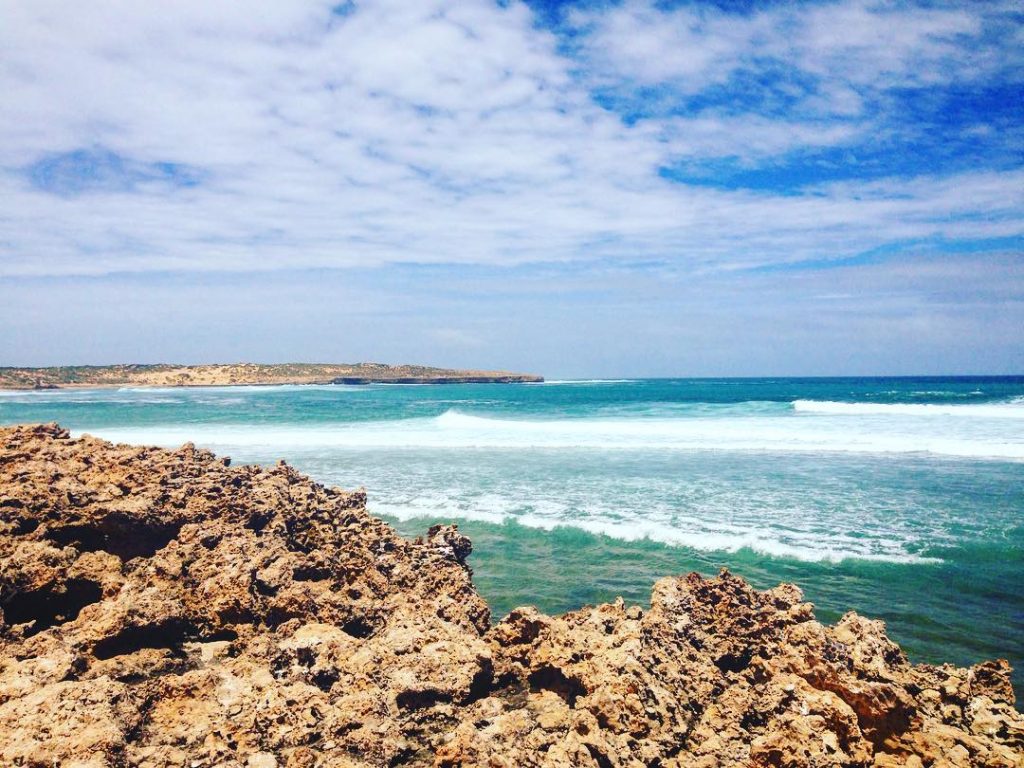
x,y
1012,409
822,431
833,548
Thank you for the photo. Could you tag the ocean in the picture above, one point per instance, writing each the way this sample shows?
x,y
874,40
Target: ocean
x,y
900,498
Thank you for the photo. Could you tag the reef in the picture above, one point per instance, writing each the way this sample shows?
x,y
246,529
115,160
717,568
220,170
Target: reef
x,y
164,608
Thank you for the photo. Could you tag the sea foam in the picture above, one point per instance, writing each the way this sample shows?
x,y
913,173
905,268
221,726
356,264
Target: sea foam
x,y
817,431
1012,409
764,541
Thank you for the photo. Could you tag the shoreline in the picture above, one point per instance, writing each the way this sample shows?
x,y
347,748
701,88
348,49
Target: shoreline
x,y
165,607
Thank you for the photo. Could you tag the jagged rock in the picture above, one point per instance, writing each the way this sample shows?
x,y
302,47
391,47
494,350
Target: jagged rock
x,y
162,608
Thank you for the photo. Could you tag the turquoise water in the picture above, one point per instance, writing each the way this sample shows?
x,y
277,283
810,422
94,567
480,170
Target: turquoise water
x,y
902,499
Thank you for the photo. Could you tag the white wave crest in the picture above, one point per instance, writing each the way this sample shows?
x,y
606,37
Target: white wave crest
x,y
765,542
1013,409
456,430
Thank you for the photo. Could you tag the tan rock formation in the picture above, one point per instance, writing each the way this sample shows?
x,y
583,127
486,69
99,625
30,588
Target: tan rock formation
x,y
165,609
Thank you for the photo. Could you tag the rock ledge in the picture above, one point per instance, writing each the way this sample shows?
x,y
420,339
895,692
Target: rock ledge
x,y
162,608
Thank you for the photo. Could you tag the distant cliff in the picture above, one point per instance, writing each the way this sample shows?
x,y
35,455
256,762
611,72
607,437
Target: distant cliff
x,y
169,375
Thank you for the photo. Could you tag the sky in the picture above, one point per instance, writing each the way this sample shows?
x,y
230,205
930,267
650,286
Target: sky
x,y
601,188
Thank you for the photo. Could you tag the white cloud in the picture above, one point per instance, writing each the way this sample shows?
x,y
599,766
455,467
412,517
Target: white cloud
x,y
850,44
429,131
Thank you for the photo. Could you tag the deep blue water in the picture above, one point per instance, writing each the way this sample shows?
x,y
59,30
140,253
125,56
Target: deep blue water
x,y
902,498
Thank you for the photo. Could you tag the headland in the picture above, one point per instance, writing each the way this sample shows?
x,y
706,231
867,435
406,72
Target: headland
x,y
234,374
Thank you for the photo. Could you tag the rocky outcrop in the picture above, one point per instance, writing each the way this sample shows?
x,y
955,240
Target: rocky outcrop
x,y
162,608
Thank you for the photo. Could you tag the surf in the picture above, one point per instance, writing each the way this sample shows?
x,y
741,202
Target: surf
x,y
756,540
455,429
1012,409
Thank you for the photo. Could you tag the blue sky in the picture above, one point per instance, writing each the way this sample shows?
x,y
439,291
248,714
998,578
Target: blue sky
x,y
605,188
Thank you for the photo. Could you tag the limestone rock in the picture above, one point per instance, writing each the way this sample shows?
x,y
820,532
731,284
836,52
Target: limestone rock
x,y
162,608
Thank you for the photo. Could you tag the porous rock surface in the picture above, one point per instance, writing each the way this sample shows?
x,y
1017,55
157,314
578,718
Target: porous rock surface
x,y
162,608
